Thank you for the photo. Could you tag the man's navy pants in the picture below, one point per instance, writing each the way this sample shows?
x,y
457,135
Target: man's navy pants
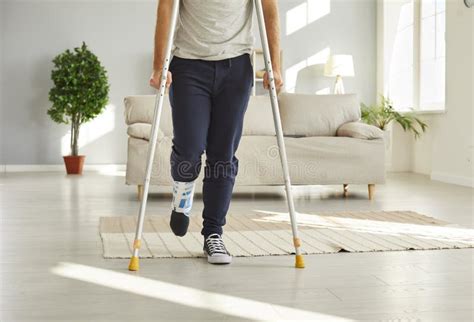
x,y
209,100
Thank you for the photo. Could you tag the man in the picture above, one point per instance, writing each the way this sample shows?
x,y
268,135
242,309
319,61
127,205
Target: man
x,y
210,80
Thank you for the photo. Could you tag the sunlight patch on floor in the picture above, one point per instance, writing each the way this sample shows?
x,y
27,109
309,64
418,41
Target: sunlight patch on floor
x,y
441,233
113,170
188,296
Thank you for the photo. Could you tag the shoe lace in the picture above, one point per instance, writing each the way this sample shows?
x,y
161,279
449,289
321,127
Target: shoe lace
x,y
215,244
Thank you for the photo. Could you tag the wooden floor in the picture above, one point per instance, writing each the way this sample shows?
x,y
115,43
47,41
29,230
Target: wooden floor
x,y
52,267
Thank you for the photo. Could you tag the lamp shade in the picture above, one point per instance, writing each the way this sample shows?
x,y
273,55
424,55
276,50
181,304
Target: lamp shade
x,y
339,65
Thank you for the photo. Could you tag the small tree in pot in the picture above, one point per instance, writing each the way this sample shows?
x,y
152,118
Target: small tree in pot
x,y
80,94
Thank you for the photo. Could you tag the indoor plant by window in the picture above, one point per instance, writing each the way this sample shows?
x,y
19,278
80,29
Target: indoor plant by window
x,y
381,115
80,94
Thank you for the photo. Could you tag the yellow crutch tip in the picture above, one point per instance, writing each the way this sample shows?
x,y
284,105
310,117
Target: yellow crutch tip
x,y
299,263
134,264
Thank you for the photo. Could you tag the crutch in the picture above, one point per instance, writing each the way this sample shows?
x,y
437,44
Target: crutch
x,y
299,261
134,261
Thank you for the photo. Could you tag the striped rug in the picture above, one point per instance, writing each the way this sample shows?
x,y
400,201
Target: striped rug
x,y
268,233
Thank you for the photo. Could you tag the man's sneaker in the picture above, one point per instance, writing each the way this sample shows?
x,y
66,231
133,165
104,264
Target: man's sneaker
x,y
215,250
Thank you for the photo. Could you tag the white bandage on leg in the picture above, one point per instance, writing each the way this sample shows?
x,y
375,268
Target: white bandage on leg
x,y
183,193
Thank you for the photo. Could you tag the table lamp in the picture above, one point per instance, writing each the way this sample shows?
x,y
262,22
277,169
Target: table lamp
x,y
339,66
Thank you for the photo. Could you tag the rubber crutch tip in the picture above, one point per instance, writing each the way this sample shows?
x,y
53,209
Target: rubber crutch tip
x,y
299,262
134,264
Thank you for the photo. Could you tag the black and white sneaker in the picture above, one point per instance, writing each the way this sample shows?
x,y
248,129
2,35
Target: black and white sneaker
x,y
215,250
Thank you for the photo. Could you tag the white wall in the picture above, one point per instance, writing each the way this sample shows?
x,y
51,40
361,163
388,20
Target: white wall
x,y
331,27
120,32
446,151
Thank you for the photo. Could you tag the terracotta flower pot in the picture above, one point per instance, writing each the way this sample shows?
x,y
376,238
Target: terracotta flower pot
x,y
74,163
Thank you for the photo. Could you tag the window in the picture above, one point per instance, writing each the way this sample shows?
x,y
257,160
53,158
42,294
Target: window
x,y
432,54
414,53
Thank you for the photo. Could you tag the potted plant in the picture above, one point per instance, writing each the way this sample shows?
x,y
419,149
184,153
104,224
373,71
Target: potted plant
x,y
80,94
381,115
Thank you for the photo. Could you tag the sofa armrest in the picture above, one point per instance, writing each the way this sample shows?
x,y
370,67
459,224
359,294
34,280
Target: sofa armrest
x,y
359,130
143,131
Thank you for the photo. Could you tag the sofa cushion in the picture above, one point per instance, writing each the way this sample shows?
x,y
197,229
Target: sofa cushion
x,y
140,109
311,160
359,130
258,117
316,115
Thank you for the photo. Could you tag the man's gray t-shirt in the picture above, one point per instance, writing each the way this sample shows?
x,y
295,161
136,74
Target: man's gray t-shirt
x,y
214,29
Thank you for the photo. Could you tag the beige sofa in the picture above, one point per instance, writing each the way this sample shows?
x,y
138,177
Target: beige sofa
x,y
325,142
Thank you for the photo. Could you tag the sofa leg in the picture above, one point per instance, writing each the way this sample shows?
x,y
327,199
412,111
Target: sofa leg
x,y
345,186
371,191
140,192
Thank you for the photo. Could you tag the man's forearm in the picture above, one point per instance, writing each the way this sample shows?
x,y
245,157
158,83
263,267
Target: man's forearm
x,y
272,24
163,18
